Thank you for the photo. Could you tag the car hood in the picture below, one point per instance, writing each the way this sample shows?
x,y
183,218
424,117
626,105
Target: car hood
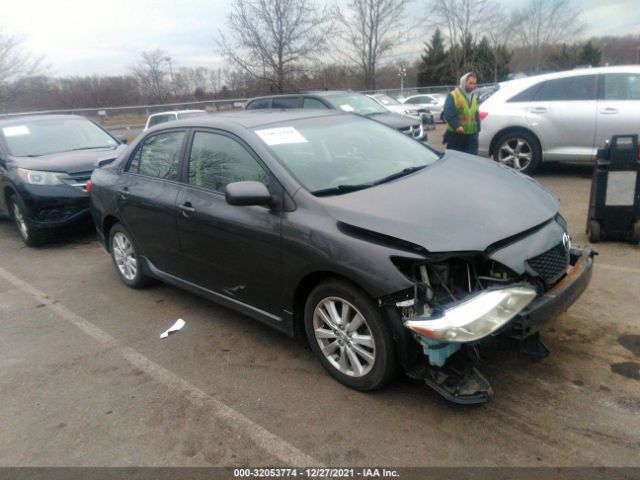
x,y
394,120
68,162
459,203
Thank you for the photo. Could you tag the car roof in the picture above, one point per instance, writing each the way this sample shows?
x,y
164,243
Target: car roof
x,y
167,112
306,93
251,118
17,119
512,87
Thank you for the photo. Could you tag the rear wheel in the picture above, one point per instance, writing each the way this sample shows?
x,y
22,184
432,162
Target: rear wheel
x,y
125,257
30,235
519,150
349,336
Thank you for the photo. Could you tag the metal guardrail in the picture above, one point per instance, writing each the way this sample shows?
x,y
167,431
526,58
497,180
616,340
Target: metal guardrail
x,y
127,116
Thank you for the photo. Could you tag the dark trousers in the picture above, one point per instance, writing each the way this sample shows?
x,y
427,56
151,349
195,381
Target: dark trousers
x,y
461,142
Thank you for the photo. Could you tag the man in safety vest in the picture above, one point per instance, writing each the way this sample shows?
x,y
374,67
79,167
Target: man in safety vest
x,y
462,116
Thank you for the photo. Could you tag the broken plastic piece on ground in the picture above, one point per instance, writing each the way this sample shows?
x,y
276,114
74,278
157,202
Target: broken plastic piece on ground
x,y
468,387
533,346
174,328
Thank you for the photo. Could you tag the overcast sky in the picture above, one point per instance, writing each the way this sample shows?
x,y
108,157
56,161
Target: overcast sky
x,y
85,37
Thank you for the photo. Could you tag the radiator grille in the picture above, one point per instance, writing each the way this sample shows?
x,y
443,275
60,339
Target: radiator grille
x,y
552,264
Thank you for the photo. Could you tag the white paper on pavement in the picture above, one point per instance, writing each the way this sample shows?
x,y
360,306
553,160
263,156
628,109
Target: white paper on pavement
x,y
174,328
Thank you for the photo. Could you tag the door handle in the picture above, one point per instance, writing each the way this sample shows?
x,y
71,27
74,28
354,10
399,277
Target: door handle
x,y
186,209
124,192
538,110
609,111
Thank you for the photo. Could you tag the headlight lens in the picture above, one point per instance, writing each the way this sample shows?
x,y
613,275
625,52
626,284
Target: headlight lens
x,y
477,317
36,177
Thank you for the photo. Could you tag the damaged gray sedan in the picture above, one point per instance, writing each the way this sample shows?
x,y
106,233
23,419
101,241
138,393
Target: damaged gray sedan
x,y
380,250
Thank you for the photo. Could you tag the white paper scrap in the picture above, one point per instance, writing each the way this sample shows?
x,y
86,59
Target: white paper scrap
x,y
347,108
279,136
15,131
174,328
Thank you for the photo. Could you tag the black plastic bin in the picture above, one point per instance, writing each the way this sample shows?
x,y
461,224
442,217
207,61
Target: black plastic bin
x,y
614,203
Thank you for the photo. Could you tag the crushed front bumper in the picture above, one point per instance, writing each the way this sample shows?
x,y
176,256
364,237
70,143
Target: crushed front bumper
x,y
558,299
515,309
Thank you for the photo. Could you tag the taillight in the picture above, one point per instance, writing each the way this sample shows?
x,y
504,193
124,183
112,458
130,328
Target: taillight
x,y
88,186
483,115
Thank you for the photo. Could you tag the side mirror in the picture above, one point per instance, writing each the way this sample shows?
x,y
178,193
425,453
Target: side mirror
x,y
122,139
248,193
104,161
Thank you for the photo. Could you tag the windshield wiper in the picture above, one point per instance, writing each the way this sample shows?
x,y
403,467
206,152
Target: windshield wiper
x,y
399,174
340,189
89,148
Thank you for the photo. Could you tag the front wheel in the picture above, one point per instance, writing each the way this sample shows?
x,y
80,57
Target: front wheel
x,y
125,257
348,334
31,236
519,150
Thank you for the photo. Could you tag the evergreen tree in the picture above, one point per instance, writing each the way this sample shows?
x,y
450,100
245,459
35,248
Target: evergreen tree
x,y
434,67
590,55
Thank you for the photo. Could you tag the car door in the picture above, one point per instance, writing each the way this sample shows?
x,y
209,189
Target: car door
x,y
231,250
563,116
146,198
618,106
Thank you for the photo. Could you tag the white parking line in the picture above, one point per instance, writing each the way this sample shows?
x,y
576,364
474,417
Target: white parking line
x,y
264,439
617,268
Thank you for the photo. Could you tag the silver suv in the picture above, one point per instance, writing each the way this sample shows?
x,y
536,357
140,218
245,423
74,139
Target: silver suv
x,y
559,117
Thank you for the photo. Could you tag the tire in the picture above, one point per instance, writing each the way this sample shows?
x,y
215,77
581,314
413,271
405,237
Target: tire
x,y
519,150
343,321
125,257
31,236
594,231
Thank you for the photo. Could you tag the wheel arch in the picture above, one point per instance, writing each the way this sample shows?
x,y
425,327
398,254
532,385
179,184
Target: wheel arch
x,y
107,224
514,129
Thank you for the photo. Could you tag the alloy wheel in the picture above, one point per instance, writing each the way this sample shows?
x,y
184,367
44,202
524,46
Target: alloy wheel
x,y
125,256
23,228
515,152
344,336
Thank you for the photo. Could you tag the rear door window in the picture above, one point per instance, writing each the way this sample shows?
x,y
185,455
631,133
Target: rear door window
x,y
158,119
621,86
259,103
581,87
158,156
286,102
313,103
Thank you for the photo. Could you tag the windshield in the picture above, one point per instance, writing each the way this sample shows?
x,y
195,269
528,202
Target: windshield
x,y
40,137
386,100
356,103
337,154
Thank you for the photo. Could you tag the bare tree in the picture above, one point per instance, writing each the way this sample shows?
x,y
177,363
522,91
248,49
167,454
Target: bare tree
x,y
14,62
271,39
464,23
154,80
370,29
546,22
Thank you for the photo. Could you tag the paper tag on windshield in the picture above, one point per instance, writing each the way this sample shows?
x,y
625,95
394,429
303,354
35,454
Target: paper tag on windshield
x,y
347,108
15,131
279,136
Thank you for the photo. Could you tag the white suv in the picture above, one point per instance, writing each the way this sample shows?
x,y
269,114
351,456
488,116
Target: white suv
x,y
559,117
162,117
